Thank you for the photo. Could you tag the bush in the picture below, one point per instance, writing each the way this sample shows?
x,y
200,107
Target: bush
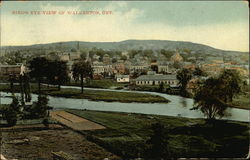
x,y
11,117
10,113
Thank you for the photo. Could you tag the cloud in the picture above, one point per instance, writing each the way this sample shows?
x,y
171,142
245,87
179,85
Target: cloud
x,y
121,25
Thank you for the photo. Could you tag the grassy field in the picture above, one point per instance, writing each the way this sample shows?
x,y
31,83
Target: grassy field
x,y
40,143
242,101
127,133
104,83
107,96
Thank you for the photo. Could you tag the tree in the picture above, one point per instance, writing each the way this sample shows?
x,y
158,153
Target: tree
x,y
114,60
232,82
161,87
198,72
124,58
81,70
57,73
25,88
177,65
209,99
12,79
39,109
38,70
10,113
157,143
83,55
184,76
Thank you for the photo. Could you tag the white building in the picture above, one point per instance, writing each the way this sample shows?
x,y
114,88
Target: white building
x,y
122,78
157,79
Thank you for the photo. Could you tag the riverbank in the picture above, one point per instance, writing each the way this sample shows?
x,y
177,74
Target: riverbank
x,y
95,95
126,134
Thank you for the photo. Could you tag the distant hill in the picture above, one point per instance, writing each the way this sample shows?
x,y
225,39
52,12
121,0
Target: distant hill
x,y
132,44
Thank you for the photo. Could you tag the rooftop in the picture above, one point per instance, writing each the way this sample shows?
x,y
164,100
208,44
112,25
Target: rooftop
x,y
157,77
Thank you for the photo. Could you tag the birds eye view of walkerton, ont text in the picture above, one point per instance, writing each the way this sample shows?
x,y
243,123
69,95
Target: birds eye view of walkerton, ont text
x,y
124,80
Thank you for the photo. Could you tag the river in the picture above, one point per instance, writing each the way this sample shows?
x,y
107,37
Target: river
x,y
178,106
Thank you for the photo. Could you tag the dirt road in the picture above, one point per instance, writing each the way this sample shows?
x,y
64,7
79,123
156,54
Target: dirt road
x,y
74,122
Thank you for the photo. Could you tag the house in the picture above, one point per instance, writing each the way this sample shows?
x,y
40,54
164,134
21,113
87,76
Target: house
x,y
6,70
101,69
138,67
156,79
74,56
122,78
119,68
163,69
106,59
65,57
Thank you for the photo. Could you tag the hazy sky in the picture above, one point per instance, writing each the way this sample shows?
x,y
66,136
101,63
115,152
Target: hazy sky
x,y
223,25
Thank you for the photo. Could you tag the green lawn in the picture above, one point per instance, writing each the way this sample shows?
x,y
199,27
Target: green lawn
x,y
126,134
107,96
104,83
242,101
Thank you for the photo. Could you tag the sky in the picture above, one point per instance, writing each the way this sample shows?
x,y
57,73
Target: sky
x,y
220,24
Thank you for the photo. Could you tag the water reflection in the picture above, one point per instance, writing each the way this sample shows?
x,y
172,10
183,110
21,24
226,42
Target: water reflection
x,y
183,102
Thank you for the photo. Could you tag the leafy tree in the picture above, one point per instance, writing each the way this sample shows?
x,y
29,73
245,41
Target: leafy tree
x,y
177,65
83,55
184,76
10,113
147,53
39,109
161,87
82,69
198,72
12,79
213,96
53,56
232,82
57,73
209,99
158,143
26,81
38,70
124,58
167,53
114,60
25,88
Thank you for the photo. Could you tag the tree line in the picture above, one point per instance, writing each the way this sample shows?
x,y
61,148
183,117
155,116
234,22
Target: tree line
x,y
56,72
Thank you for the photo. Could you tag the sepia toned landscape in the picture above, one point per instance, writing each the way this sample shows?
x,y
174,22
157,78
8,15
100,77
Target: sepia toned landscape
x,y
122,88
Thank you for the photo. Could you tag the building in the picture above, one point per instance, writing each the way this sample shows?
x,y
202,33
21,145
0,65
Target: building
x,y
138,67
163,69
74,56
106,59
122,78
6,70
65,57
156,79
100,68
119,68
